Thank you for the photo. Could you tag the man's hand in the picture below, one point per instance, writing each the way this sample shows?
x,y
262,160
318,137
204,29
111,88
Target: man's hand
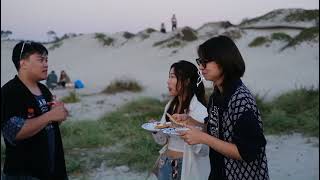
x,y
58,112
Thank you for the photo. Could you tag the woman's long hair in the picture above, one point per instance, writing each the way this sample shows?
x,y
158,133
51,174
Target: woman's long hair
x,y
187,77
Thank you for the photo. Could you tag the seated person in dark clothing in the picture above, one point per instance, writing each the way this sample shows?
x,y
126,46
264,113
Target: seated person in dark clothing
x,y
64,79
163,28
52,80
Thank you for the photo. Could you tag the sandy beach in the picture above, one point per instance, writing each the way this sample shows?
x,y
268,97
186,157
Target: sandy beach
x,y
269,72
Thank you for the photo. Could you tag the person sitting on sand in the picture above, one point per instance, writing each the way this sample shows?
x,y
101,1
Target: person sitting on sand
x,y
178,160
163,28
64,79
52,80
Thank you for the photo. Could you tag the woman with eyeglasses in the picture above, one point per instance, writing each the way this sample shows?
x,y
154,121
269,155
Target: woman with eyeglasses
x,y
178,160
234,127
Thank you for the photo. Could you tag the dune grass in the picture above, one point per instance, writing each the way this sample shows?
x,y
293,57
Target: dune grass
x,y
280,36
187,34
308,34
102,38
71,98
259,41
120,127
128,35
295,111
305,15
87,143
121,85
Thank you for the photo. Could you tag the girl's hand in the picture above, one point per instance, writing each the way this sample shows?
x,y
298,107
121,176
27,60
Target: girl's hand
x,y
192,136
181,117
152,120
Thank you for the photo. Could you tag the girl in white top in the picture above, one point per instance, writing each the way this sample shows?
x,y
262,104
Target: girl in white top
x,y
178,159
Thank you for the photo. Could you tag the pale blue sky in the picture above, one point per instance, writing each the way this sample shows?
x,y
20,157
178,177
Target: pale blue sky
x,y
31,19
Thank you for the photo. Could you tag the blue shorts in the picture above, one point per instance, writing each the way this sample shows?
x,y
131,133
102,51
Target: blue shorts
x,y
169,168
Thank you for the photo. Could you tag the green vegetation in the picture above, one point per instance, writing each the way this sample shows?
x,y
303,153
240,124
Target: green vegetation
x,y
267,16
188,34
281,37
295,111
71,98
137,148
146,33
308,34
159,43
128,35
304,15
174,44
123,85
55,45
150,30
233,34
258,41
299,15
106,41
118,138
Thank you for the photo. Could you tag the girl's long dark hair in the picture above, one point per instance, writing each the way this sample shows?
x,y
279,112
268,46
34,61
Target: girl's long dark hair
x,y
187,76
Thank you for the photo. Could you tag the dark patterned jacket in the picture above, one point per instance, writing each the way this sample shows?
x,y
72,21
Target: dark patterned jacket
x,y
237,110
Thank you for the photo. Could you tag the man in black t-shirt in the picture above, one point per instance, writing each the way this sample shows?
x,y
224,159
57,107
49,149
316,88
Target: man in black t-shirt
x,y
30,119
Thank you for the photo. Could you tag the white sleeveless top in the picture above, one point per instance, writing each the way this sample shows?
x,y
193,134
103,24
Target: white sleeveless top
x,y
195,163
176,143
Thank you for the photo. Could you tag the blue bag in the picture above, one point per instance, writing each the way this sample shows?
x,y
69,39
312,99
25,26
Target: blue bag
x,y
78,84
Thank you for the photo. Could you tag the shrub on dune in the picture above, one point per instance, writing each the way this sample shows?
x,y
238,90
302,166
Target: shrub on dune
x,y
281,37
258,41
71,98
128,35
106,41
123,85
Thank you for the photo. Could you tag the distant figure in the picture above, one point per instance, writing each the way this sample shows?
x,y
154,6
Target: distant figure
x,y
163,28
52,80
174,22
64,79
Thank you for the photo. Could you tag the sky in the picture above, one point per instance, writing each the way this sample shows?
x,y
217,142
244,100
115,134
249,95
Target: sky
x,y
32,19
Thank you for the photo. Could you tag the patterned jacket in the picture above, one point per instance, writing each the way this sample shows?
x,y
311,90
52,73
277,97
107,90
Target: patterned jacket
x,y
240,102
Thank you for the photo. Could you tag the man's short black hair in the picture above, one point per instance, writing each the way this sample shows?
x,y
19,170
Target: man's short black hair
x,y
24,49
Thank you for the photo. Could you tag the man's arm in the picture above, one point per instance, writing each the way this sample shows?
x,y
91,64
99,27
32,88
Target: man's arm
x,y
34,125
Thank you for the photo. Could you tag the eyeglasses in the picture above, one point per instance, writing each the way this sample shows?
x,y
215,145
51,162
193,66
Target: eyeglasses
x,y
23,44
202,62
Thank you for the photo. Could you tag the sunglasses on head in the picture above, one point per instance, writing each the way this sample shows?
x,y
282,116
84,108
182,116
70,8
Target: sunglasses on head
x,y
23,45
202,62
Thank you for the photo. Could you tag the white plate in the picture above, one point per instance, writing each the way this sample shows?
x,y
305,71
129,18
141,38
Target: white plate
x,y
151,126
174,131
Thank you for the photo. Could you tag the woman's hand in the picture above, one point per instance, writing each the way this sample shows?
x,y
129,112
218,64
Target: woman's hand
x,y
181,117
152,121
193,136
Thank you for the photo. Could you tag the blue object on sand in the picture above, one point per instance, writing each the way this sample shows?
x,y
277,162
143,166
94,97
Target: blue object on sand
x,y
78,84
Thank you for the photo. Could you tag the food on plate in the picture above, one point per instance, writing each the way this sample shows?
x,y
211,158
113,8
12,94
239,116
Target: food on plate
x,y
175,121
162,126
